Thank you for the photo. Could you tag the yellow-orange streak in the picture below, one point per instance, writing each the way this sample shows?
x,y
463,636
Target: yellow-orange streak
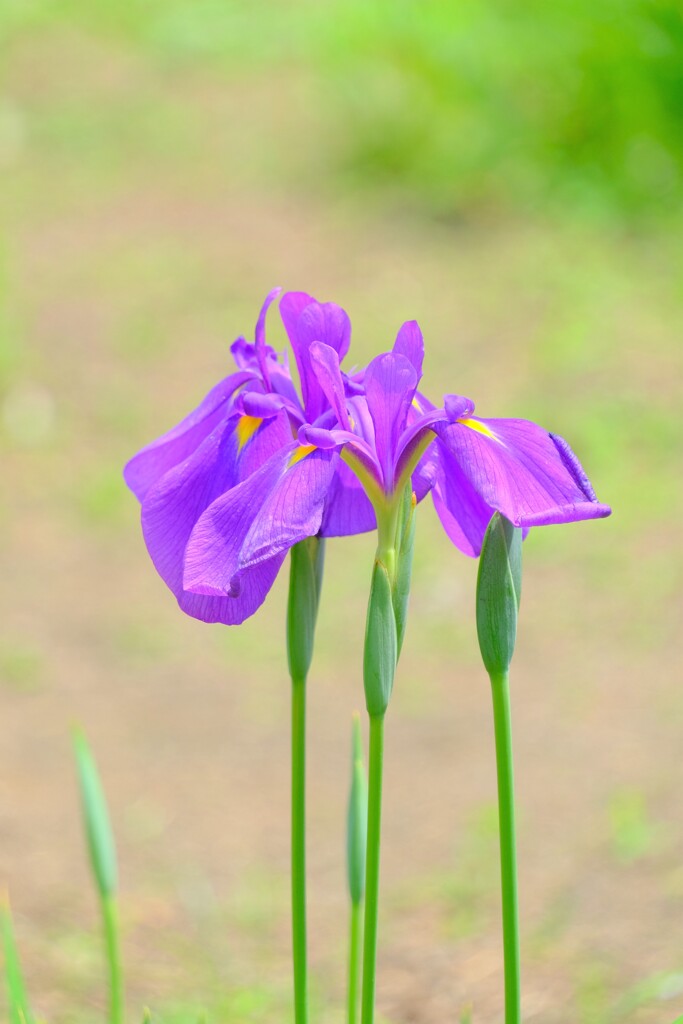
x,y
246,428
480,428
300,453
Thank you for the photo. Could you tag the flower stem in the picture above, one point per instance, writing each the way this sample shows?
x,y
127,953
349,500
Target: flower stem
x,y
500,688
375,764
110,920
299,850
354,961
305,581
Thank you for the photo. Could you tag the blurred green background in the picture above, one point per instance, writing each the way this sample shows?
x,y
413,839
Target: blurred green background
x,y
511,176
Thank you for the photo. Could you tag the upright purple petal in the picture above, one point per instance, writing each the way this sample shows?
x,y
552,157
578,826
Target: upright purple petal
x,y
409,343
307,321
173,506
325,363
260,337
157,458
279,505
518,468
390,382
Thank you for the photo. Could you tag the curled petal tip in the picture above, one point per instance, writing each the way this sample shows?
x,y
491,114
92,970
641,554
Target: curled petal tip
x,y
457,407
317,436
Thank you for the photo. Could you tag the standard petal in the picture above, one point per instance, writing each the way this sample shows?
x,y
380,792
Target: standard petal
x,y
157,458
173,506
521,470
307,321
409,343
325,364
279,505
390,382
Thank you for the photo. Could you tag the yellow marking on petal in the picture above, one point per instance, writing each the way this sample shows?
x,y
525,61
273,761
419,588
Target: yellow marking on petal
x,y
480,428
301,452
246,428
416,404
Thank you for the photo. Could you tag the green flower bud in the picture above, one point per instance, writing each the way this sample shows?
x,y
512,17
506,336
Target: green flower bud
x,y
305,583
381,643
499,588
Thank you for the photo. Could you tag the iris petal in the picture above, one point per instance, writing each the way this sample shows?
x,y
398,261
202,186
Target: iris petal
x,y
348,509
307,321
325,365
518,468
390,382
157,458
279,505
172,507
409,343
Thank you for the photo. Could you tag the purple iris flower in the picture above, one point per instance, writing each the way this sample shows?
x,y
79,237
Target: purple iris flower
x,y
255,469
249,419
388,435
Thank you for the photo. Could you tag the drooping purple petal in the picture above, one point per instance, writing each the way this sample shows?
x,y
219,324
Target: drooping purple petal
x,y
307,321
409,343
279,505
463,512
390,382
157,458
173,506
522,471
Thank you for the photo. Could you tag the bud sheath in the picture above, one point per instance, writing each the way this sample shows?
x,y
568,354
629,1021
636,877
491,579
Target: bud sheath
x,y
499,587
305,582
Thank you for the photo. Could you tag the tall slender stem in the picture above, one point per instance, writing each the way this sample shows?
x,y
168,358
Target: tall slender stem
x,y
305,581
354,961
111,939
500,688
299,850
375,765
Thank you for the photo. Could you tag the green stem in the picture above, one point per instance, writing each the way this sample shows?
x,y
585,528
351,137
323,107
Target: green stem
x,y
299,850
375,764
500,688
111,938
354,960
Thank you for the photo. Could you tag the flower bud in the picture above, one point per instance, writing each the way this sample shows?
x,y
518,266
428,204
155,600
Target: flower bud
x,y
381,643
305,582
499,588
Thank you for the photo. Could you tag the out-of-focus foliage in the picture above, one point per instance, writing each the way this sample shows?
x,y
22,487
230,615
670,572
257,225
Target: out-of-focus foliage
x,y
459,108
495,103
